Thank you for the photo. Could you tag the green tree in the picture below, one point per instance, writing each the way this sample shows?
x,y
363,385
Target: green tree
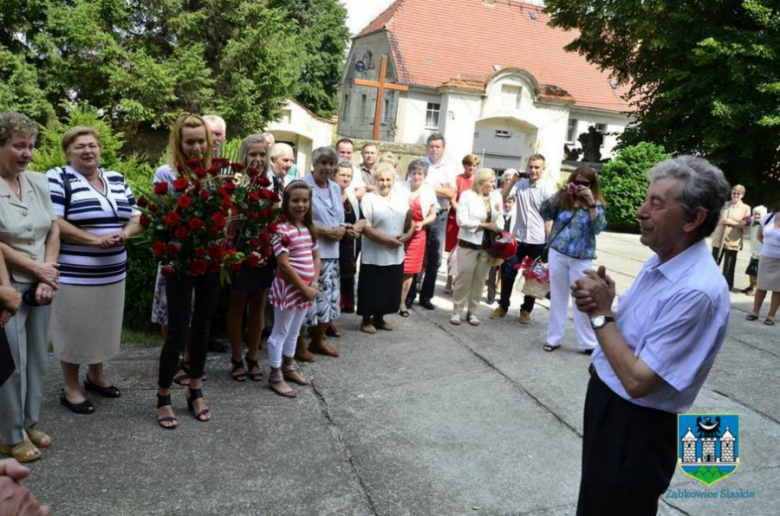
x,y
624,182
144,61
704,76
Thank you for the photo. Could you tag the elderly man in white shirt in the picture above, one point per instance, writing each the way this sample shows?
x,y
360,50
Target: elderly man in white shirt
x,y
656,349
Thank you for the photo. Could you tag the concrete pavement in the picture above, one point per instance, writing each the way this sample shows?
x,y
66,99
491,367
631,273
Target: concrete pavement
x,y
429,419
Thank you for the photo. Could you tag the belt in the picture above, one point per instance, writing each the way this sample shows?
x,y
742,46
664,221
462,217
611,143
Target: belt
x,y
469,245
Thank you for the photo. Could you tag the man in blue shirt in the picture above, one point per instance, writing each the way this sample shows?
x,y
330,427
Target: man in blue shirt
x,y
656,349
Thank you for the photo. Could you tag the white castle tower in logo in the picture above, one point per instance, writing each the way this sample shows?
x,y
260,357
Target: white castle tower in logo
x,y
708,455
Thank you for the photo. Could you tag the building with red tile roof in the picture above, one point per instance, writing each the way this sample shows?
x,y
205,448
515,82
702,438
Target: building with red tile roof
x,y
491,75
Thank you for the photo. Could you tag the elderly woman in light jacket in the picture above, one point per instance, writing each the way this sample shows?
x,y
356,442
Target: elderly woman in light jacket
x,y
327,212
479,210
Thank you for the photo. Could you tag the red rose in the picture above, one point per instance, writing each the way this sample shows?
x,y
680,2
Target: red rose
x,y
205,194
234,267
142,202
153,208
265,194
181,184
267,212
254,196
195,223
215,230
184,202
215,252
218,220
198,185
273,227
158,247
266,252
252,215
265,237
253,261
161,188
214,267
167,271
254,243
198,267
219,162
200,252
194,162
144,221
172,218
172,248
237,167
252,171
200,172
265,180
180,168
275,197
181,233
230,187
282,219
213,170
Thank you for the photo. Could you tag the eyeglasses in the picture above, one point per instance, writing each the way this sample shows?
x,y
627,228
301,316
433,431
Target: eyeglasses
x,y
581,183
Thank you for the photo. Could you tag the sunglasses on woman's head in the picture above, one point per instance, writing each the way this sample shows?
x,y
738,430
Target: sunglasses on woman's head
x,y
581,183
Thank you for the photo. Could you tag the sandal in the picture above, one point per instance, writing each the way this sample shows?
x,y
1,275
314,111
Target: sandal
x,y
404,313
251,364
85,407
38,438
19,452
196,394
237,364
278,378
549,348
183,379
752,317
106,392
769,322
297,378
165,401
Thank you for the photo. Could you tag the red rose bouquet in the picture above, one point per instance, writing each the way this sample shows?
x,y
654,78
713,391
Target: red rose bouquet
x,y
212,223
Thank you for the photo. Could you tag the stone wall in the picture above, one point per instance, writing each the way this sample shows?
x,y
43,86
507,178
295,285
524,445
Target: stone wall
x,y
404,153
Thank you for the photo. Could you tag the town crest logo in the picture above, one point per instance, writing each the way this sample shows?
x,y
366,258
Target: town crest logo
x,y
708,445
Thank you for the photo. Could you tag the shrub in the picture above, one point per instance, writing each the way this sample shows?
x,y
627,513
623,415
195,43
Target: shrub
x,y
624,183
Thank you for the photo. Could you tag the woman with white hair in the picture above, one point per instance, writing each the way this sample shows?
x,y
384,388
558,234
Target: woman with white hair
x,y
479,211
382,256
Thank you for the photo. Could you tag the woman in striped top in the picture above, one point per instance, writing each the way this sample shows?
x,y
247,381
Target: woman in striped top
x,y
295,286
96,214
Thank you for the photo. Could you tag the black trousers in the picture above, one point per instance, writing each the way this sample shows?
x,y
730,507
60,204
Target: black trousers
x,y
508,274
178,290
729,259
629,454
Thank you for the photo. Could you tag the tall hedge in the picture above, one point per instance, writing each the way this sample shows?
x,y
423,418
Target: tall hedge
x,y
624,182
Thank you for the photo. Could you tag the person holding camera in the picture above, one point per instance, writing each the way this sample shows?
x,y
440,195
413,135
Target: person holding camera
x,y
529,192
577,214
30,244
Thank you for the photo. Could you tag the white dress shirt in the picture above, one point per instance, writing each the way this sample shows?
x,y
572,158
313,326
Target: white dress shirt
x,y
385,214
439,175
674,317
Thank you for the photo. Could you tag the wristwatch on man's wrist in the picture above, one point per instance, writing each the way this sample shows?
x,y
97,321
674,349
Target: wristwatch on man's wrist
x,y
600,321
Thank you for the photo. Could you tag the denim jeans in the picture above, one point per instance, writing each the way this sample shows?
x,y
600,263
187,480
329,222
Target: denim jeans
x,y
433,249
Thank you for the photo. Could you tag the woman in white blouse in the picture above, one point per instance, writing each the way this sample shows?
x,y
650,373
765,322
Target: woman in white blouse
x,y
382,256
422,203
479,211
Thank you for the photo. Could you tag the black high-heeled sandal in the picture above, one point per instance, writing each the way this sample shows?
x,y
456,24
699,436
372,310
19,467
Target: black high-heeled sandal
x,y
251,364
196,394
237,364
165,401
179,380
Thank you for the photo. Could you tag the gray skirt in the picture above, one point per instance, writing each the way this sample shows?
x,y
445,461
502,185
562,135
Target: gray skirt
x,y
86,322
768,274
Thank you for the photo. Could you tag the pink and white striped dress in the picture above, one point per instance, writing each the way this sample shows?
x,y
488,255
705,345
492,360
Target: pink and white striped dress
x,y
298,245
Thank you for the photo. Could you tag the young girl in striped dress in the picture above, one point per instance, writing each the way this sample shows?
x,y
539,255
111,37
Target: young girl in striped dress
x,y
294,287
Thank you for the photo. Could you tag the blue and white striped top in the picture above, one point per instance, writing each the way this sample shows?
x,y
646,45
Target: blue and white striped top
x,y
97,213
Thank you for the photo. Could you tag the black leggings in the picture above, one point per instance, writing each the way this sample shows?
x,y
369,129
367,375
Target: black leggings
x,y
178,290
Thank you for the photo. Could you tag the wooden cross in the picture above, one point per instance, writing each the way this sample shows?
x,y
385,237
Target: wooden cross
x,y
380,86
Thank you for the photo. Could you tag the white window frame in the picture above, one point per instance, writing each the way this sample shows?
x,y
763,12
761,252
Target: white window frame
x,y
571,130
432,111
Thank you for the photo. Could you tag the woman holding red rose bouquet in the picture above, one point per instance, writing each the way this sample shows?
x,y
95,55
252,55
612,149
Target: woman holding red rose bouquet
x,y
256,274
190,140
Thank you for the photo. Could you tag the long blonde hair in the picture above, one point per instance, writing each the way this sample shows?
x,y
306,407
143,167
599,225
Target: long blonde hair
x,y
178,159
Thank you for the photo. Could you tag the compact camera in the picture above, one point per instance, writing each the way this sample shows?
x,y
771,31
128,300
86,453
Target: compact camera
x,y
573,189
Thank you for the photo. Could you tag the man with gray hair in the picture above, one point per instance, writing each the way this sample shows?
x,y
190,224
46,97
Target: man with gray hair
x,y
282,160
218,130
656,349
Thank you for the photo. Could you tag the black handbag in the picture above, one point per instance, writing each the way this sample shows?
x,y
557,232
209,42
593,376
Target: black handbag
x,y
752,268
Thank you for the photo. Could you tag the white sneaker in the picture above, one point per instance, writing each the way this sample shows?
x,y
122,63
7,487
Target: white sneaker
x,y
473,320
455,319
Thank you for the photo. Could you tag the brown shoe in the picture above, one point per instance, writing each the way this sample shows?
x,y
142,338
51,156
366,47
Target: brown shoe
x,y
302,354
323,349
525,317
